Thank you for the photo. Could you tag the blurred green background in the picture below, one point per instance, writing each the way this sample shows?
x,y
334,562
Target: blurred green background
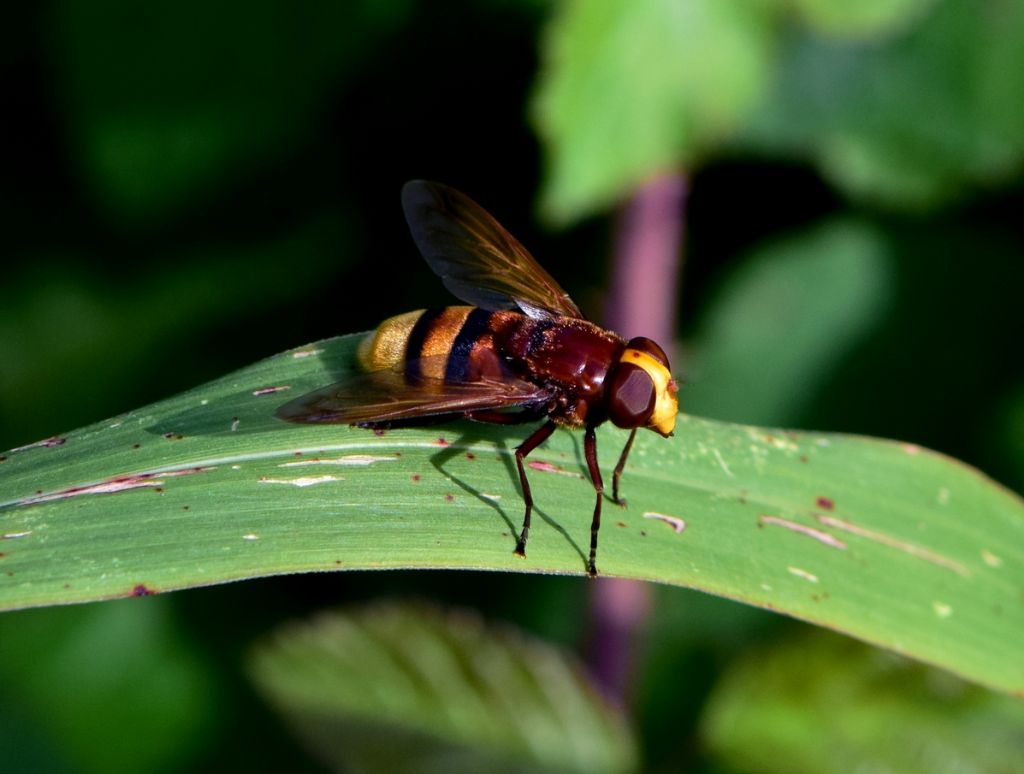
x,y
191,187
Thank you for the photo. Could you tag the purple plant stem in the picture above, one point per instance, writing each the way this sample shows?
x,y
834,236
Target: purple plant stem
x,y
642,302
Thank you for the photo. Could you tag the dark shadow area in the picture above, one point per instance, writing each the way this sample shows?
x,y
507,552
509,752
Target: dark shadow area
x,y
251,409
472,433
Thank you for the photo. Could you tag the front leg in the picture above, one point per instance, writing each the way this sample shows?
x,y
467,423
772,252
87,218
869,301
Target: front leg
x,y
620,467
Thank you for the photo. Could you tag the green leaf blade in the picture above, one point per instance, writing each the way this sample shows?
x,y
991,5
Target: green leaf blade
x,y
888,542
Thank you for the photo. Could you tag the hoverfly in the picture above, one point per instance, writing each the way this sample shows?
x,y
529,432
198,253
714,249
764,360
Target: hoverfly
x,y
521,353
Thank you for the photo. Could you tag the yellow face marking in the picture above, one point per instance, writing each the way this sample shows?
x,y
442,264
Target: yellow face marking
x,y
665,404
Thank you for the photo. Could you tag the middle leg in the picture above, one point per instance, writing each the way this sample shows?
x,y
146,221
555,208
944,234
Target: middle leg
x,y
538,437
590,451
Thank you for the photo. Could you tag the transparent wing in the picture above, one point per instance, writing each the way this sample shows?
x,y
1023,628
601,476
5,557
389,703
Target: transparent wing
x,y
476,258
385,396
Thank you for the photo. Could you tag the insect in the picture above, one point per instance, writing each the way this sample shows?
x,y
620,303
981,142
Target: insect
x,y
520,353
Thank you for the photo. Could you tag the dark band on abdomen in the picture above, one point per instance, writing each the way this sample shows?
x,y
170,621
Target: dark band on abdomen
x,y
414,346
458,368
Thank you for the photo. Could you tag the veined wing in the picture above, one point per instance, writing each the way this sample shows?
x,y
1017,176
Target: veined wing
x,y
385,396
476,258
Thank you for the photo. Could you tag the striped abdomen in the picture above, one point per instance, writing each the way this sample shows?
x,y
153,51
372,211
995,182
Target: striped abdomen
x,y
455,343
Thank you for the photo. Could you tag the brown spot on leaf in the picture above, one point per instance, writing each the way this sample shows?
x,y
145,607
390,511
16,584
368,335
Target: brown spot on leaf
x,y
825,503
142,590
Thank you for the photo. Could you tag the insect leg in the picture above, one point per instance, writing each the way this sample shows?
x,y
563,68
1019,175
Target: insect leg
x,y
538,437
619,468
590,451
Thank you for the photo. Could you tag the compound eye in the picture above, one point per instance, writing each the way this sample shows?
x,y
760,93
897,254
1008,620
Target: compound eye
x,y
631,396
645,344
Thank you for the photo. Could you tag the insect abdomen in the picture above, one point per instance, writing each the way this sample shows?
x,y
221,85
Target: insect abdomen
x,y
454,343
425,333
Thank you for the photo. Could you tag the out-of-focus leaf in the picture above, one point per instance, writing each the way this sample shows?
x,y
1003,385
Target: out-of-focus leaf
x,y
921,104
115,688
784,319
825,704
166,102
406,689
631,89
861,19
209,486
912,122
